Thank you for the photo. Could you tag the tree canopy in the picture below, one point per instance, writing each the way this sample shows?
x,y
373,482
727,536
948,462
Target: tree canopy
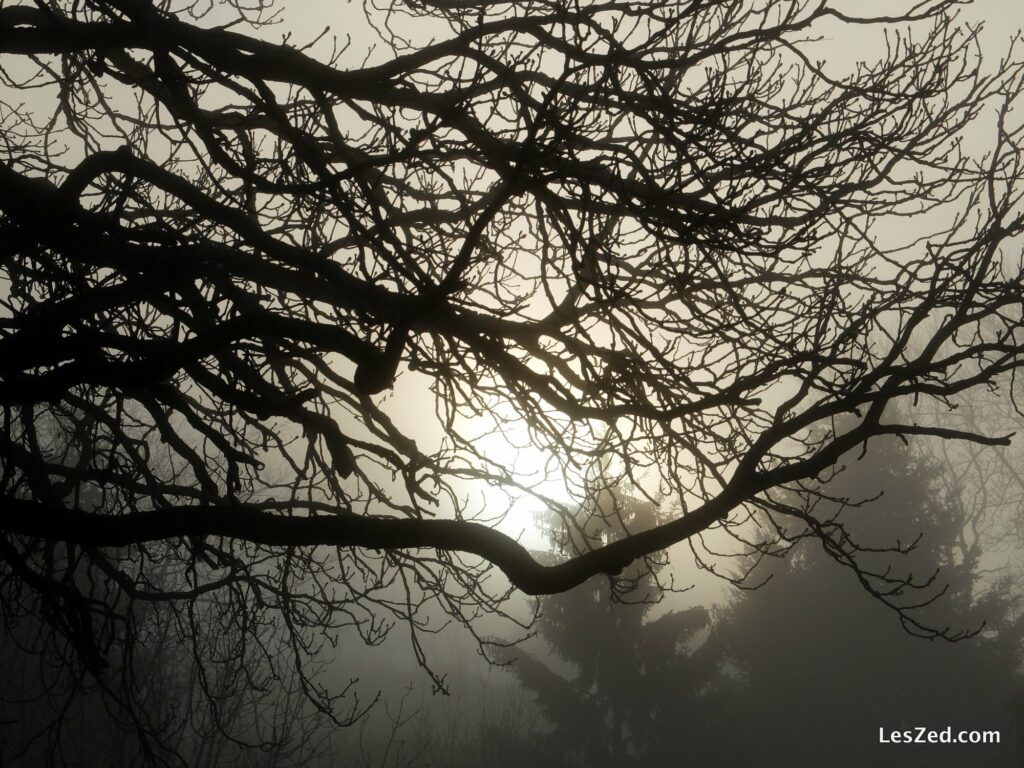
x,y
667,234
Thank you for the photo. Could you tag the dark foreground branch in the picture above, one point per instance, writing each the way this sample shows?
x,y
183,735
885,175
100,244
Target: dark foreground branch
x,y
378,532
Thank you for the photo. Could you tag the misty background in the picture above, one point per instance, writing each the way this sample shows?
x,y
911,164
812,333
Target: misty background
x,y
779,659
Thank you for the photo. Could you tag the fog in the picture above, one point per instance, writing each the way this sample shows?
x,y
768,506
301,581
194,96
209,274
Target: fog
x,y
806,667
863,610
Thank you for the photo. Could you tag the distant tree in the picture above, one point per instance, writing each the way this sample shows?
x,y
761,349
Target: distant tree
x,y
812,668
598,687
807,665
990,482
183,709
646,230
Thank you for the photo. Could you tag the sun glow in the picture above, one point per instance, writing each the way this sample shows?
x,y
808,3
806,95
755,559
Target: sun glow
x,y
527,480
496,467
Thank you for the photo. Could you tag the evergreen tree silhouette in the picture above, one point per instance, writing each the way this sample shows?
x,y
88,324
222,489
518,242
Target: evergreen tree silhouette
x,y
609,655
811,667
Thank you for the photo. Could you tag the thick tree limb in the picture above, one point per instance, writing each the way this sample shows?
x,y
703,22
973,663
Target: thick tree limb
x,y
248,523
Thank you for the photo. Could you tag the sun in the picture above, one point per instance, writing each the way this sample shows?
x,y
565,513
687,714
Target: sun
x,y
528,480
498,472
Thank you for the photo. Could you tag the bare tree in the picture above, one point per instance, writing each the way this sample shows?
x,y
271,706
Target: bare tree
x,y
161,700
646,231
